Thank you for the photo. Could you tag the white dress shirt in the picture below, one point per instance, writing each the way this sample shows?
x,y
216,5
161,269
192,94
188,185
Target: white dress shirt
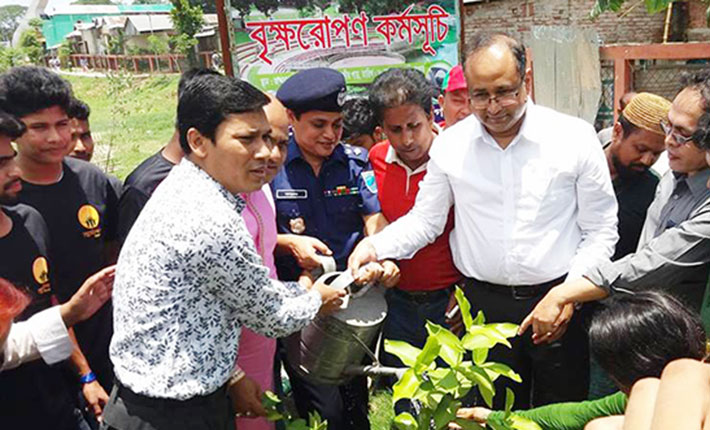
x,y
527,214
187,279
43,335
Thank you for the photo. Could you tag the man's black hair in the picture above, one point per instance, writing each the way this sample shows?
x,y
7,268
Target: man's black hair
x,y
191,74
397,87
79,110
11,126
208,99
29,89
636,335
358,118
485,39
700,81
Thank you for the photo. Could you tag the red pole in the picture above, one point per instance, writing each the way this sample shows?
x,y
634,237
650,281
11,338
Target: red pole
x,y
224,38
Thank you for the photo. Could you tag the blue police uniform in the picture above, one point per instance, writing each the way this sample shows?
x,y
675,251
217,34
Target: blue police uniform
x,y
329,206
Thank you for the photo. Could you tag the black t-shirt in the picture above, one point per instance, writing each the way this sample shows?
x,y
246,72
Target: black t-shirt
x,y
34,395
634,196
138,188
81,212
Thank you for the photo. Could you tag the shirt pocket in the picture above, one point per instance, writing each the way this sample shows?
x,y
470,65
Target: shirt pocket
x,y
343,205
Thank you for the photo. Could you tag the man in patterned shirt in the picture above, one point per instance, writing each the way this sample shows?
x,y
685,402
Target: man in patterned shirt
x,y
189,276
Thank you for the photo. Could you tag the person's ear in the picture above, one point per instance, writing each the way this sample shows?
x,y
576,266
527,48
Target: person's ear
x,y
617,133
528,81
198,143
291,115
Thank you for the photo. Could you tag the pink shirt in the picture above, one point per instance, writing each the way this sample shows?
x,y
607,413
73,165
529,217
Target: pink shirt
x,y
256,352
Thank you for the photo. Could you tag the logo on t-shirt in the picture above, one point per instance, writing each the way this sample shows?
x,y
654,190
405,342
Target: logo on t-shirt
x,y
40,271
89,219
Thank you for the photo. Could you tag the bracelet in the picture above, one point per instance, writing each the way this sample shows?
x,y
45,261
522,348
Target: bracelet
x,y
88,378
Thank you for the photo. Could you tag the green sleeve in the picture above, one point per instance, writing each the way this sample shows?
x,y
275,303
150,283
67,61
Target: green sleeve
x,y
572,415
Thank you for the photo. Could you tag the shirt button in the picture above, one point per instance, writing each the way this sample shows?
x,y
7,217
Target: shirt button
x,y
675,196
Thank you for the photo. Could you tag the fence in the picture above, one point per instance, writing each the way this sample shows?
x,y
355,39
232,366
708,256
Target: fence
x,y
654,68
165,63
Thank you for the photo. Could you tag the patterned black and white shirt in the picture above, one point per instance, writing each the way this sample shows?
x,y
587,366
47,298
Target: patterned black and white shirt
x,y
188,278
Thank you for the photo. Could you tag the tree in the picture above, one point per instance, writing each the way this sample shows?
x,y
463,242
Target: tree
x,y
242,6
207,6
652,6
10,57
187,20
30,42
10,16
267,7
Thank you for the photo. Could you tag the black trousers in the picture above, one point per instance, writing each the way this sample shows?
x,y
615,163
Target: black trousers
x,y
129,411
344,406
551,373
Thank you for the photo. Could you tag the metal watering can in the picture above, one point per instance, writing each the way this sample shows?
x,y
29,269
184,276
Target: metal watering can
x,y
331,349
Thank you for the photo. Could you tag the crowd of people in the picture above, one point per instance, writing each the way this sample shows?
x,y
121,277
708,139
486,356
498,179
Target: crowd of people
x,y
157,303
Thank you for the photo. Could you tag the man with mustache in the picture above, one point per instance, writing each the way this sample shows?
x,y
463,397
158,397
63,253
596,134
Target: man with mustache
x,y
326,190
533,204
637,141
673,251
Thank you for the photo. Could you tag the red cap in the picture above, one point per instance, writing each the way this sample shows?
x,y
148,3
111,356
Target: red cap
x,y
454,80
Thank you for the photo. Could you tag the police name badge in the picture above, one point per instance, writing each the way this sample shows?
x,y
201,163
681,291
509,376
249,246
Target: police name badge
x,y
297,225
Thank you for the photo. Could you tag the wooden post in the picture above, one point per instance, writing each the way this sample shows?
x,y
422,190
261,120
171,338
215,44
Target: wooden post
x,y
150,63
135,65
224,38
623,81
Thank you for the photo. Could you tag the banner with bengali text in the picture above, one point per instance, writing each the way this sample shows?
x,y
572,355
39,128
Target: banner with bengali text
x,y
424,36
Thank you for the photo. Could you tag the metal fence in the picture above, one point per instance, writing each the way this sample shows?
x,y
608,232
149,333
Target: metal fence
x,y
662,77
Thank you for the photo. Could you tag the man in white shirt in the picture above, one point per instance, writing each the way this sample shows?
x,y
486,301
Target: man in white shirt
x,y
533,204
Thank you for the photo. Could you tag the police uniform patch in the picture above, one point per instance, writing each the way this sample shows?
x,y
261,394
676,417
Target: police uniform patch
x,y
341,97
369,179
297,225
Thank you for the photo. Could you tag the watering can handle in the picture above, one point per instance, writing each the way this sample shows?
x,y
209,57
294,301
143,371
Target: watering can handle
x,y
367,349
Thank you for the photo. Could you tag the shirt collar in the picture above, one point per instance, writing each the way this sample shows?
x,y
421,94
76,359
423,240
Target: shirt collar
x,y
527,128
195,173
392,158
698,183
294,152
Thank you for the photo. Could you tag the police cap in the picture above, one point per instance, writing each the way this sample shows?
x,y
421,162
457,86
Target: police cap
x,y
313,89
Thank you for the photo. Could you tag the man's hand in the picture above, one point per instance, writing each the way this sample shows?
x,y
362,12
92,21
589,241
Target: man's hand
x,y
94,292
363,253
96,398
549,318
477,414
332,299
305,249
455,323
246,398
369,274
391,274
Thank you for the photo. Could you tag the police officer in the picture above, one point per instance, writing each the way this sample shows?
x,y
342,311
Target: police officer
x,y
326,190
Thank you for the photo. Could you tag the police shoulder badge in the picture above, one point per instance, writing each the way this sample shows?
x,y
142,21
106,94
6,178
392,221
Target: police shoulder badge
x,y
297,225
369,178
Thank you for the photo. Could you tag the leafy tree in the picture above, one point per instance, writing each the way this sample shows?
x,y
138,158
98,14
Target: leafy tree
x,y
242,6
10,16
10,57
207,6
157,45
30,42
64,51
116,45
652,6
267,7
188,22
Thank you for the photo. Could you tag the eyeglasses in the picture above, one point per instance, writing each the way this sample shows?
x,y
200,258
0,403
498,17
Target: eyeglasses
x,y
677,137
504,98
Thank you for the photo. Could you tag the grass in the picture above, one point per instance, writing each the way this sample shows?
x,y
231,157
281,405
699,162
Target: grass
x,y
150,119
150,106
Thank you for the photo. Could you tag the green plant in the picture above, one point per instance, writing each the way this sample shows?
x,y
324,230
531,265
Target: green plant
x,y
188,22
10,57
272,403
438,390
652,6
120,85
30,42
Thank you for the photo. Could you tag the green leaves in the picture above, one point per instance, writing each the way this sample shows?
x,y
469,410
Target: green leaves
x,y
438,390
271,402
